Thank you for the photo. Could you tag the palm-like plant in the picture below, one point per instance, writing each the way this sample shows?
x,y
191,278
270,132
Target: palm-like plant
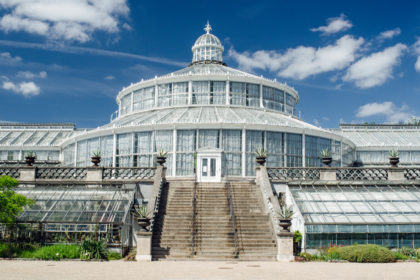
x,y
285,212
394,153
142,212
325,153
261,152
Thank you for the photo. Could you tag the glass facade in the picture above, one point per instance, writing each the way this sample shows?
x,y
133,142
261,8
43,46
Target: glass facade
x,y
139,149
207,92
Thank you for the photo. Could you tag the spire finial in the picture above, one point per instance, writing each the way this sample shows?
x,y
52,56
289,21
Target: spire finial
x,y
208,27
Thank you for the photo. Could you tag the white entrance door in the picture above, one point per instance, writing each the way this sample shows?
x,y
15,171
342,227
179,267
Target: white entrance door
x,y
209,165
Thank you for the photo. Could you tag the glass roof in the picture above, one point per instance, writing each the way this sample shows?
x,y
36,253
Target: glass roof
x,y
34,137
358,204
388,138
76,204
210,115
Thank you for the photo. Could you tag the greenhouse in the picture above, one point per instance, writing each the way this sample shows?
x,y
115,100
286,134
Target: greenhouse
x,y
208,120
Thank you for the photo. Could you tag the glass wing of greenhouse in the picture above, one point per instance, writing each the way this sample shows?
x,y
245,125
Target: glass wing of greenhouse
x,y
388,214
76,205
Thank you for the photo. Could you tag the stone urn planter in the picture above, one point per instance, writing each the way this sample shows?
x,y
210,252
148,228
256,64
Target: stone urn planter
x,y
30,160
394,161
261,160
161,160
143,223
285,224
95,160
327,161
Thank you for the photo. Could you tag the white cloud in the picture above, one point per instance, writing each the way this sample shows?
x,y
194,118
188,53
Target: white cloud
x,y
302,62
65,19
376,68
83,50
27,89
388,109
7,59
389,34
335,25
109,77
30,75
416,47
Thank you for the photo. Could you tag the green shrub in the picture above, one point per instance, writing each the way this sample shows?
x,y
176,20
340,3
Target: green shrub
x,y
306,256
410,253
366,254
24,250
57,252
93,250
400,256
112,256
332,253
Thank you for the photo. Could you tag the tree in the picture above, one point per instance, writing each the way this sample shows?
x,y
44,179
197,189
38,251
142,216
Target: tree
x,y
11,203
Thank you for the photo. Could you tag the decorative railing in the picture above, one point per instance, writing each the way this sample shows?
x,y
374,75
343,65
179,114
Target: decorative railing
x,y
232,218
10,171
129,173
194,219
157,204
412,173
293,174
361,174
61,172
287,174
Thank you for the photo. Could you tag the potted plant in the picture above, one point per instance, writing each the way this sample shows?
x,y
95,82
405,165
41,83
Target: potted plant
x,y
161,157
143,217
30,158
297,241
326,157
394,157
261,155
285,218
96,158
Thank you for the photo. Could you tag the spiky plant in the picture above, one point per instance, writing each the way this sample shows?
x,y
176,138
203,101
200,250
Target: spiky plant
x,y
394,153
142,212
325,153
261,152
285,212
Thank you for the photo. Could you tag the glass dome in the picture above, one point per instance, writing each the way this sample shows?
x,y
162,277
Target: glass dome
x,y
207,48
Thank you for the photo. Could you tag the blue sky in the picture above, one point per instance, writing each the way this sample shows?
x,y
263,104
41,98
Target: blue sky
x,y
350,61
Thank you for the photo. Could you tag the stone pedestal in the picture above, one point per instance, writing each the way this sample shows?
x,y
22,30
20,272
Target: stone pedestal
x,y
144,246
396,175
285,247
27,174
327,175
94,174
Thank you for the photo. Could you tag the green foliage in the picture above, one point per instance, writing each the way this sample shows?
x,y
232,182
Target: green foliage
x,y
261,152
285,212
394,153
162,153
11,203
407,252
53,252
31,154
96,154
325,153
366,254
112,256
57,252
93,250
307,257
297,236
142,212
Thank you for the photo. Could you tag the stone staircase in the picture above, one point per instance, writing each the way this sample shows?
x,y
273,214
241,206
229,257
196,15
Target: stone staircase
x,y
214,234
214,238
255,233
172,233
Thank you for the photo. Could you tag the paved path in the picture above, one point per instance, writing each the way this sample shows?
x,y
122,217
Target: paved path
x,y
186,270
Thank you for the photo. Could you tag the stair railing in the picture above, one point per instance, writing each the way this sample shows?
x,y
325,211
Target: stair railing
x,y
232,216
194,217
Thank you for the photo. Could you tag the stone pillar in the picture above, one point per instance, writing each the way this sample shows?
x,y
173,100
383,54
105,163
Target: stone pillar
x,y
396,174
144,246
94,174
327,175
285,247
27,174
